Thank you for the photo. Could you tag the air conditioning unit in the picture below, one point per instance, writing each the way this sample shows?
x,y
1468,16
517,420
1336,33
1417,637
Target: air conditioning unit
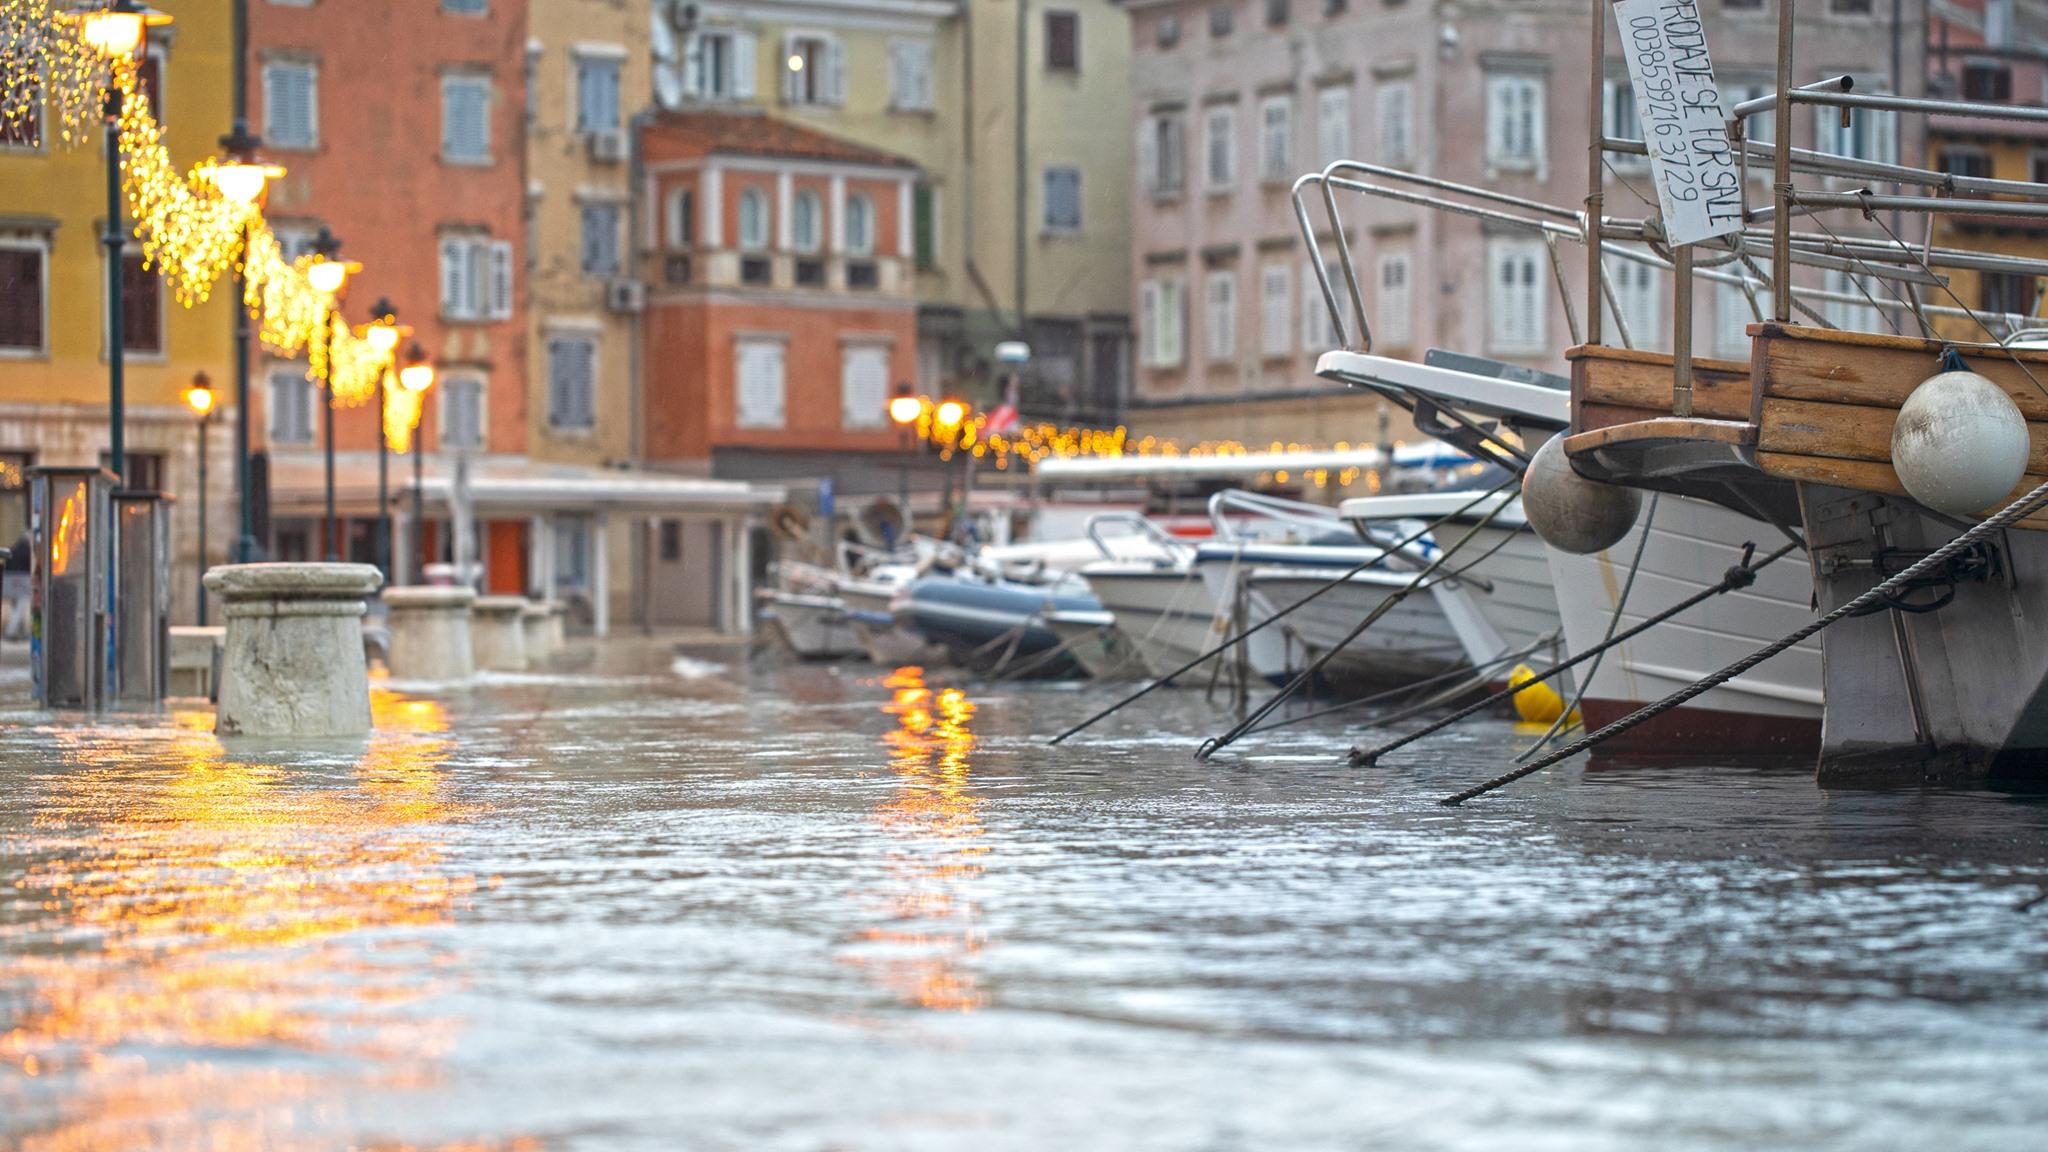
x,y
625,296
608,147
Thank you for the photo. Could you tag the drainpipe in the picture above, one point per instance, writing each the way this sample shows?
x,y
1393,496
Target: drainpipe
x,y
969,187
638,549
1023,180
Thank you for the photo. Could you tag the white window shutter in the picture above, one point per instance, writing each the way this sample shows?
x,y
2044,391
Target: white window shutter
x,y
1174,314
1148,155
693,65
1275,314
835,73
744,52
501,279
1496,119
792,82
454,277
1148,322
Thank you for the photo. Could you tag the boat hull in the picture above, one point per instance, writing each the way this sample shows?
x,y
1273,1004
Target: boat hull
x,y
874,626
1166,614
809,627
992,628
1775,707
1096,641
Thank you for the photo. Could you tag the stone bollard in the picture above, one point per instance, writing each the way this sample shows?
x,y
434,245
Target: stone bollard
x,y
497,634
558,630
430,638
294,662
533,621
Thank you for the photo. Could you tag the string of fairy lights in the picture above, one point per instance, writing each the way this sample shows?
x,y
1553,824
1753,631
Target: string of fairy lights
x,y
192,234
190,231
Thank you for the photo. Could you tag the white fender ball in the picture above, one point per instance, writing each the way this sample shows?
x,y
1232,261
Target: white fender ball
x,y
1960,444
1571,513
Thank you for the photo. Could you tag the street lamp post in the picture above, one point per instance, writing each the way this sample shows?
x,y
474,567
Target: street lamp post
x,y
328,276
418,376
383,335
199,398
904,409
119,32
949,415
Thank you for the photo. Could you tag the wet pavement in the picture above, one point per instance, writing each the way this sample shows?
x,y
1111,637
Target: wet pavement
x,y
666,904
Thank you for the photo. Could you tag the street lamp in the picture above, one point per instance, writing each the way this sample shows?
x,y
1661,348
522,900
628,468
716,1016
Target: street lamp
x,y
417,376
949,415
328,275
382,334
199,398
904,410
119,32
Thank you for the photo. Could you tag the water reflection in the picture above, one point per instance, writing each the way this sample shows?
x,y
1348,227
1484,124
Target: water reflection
x,y
922,950
181,911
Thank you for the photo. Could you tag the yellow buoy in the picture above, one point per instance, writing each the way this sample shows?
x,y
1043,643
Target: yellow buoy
x,y
1538,705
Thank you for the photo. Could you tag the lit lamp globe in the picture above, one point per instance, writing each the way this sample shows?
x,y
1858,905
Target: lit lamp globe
x,y
117,30
950,413
328,277
242,181
905,409
199,396
418,373
382,336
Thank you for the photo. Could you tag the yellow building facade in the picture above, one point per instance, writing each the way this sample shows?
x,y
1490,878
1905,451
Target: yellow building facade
x,y
53,347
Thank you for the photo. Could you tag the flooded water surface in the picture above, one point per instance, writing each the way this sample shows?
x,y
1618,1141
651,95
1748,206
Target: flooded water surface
x,y
663,904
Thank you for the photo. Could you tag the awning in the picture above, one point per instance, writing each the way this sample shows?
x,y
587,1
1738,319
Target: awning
x,y
510,487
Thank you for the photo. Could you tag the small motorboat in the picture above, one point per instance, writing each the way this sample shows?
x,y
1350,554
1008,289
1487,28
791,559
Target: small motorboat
x,y
995,626
803,615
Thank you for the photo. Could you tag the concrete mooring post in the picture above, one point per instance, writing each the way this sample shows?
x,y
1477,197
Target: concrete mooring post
x,y
430,635
294,663
533,622
498,633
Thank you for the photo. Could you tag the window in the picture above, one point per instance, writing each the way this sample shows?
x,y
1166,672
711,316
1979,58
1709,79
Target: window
x,y
1318,335
1062,42
572,551
1396,313
1219,148
142,307
1166,33
466,7
1620,121
1849,7
860,225
671,544
1743,5
1868,136
805,218
1972,162
26,130
294,240
2007,293
532,77
1062,199
1276,138
1636,290
1857,313
1396,123
1987,82
1161,163
597,94
813,71
924,225
1515,322
462,410
1222,18
719,65
476,278
1276,311
24,291
1220,316
1733,314
291,104
864,385
291,407
753,220
1761,128
761,389
1514,122
572,382
1162,318
1277,12
1333,125
600,255
682,218
910,75
1334,8
466,119
2037,168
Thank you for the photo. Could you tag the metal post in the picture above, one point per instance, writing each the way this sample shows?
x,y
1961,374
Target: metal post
x,y
383,549
204,421
419,510
1595,173
331,546
245,528
117,445
1781,174
1681,330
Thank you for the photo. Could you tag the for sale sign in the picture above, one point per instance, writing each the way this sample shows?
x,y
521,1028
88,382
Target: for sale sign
x,y
1699,186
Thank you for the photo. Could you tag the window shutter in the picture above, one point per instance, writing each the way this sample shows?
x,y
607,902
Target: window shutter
x,y
864,386
1274,311
834,88
792,82
743,60
1148,155
1174,313
501,279
455,272
1148,323
693,65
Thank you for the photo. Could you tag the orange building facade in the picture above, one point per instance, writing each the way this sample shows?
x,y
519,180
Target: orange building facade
x,y
780,314
402,126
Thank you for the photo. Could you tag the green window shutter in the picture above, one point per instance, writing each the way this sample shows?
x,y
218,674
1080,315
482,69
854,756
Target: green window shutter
x,y
924,227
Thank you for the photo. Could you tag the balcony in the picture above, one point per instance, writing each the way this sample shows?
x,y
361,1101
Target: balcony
x,y
806,273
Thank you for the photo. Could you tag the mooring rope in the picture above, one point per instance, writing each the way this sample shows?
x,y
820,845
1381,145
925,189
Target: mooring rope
x,y
1361,566
2003,519
1216,744
1740,576
1462,675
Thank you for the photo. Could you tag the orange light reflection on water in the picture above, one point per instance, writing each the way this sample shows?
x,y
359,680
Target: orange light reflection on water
x,y
201,929
935,822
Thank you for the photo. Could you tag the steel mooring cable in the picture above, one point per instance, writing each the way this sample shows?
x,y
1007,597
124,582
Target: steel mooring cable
x,y
1998,522
1740,576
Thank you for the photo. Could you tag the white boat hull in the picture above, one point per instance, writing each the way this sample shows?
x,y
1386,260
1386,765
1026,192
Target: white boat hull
x,y
1775,706
1097,643
1166,614
810,627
